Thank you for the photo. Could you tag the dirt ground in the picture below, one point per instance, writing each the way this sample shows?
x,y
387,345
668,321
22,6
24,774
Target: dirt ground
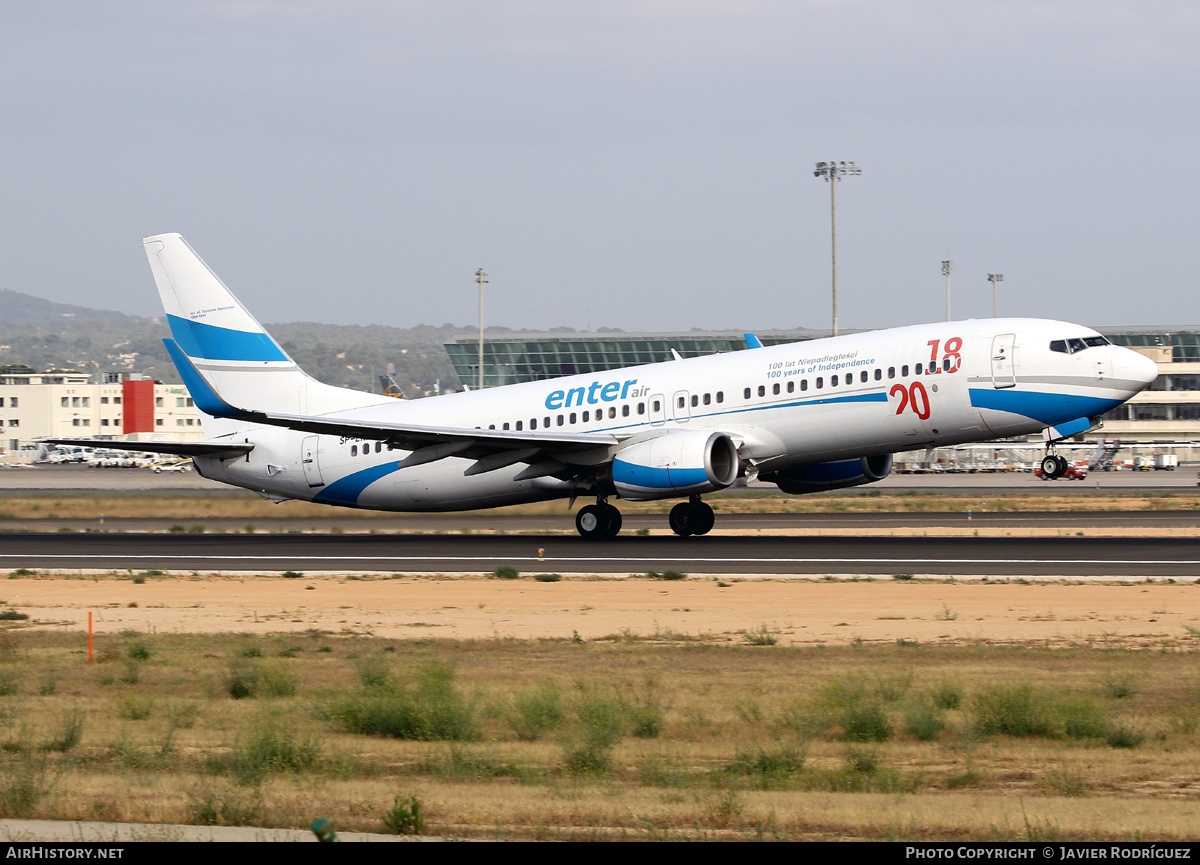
x,y
801,612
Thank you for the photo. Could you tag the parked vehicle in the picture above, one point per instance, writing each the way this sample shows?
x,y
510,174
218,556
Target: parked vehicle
x,y
1166,462
175,466
1074,472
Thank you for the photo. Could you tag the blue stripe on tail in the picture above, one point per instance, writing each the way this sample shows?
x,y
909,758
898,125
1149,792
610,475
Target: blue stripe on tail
x,y
220,343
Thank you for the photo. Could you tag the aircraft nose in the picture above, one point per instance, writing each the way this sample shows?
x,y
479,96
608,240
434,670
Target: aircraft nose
x,y
1134,367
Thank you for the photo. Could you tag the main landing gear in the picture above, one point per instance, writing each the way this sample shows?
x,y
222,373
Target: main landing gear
x,y
598,521
1053,466
602,521
692,517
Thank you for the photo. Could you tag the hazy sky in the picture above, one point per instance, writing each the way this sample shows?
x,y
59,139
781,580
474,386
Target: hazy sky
x,y
650,161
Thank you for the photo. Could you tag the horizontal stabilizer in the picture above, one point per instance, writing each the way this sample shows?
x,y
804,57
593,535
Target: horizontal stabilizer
x,y
218,449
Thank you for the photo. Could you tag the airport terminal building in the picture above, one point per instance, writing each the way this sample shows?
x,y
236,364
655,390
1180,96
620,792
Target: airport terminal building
x,y
64,403
1165,417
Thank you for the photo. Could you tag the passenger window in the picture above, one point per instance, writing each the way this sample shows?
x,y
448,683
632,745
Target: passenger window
x,y
657,406
641,408
546,422
762,390
707,398
681,402
791,386
904,371
519,423
775,389
891,372
862,377
379,445
746,395
533,423
833,380
946,364
560,420
918,369
572,417
353,450
587,416
803,384
878,374
490,426
820,382
505,426
612,412
720,396
625,410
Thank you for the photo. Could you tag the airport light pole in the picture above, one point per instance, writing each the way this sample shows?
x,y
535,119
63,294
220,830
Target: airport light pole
x,y
833,172
994,278
481,277
947,266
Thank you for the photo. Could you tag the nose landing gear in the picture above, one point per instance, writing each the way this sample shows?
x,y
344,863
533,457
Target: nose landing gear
x,y
692,517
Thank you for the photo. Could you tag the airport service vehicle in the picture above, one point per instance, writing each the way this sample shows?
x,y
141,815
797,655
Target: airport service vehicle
x,y
818,415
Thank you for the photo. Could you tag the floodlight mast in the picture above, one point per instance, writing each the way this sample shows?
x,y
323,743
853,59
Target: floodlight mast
x,y
834,171
481,277
947,266
994,278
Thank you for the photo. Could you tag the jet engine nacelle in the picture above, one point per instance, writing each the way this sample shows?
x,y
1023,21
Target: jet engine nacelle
x,y
815,477
679,463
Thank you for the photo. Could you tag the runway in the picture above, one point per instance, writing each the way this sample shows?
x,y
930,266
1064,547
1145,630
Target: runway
x,y
1098,557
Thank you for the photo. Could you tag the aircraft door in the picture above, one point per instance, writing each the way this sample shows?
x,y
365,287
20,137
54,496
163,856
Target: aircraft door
x,y
1004,373
658,409
679,403
308,459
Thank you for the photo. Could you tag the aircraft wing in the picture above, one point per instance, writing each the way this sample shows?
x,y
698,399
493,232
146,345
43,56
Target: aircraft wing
x,y
492,448
218,449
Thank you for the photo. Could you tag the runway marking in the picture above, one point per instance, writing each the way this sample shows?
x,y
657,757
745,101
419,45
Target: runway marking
x,y
720,559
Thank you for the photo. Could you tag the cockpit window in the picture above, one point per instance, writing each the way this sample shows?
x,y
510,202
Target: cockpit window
x,y
1070,346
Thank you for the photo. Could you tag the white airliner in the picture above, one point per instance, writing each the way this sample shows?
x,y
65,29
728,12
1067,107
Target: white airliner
x,y
808,416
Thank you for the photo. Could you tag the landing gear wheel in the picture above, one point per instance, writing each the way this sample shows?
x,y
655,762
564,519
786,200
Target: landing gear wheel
x,y
683,519
614,521
1062,465
593,522
705,518
1050,467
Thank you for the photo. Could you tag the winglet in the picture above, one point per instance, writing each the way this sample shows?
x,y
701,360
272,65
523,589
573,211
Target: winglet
x,y
204,395
752,341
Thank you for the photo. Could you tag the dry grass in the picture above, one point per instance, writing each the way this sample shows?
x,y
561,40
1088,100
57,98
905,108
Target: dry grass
x,y
194,510
735,741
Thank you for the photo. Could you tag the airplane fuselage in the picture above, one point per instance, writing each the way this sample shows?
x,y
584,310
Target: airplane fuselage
x,y
822,400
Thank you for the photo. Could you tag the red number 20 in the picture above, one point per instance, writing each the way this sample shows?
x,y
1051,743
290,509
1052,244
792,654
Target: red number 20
x,y
914,396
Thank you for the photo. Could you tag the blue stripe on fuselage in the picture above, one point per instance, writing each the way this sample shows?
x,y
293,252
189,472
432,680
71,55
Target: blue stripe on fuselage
x,y
345,491
1047,408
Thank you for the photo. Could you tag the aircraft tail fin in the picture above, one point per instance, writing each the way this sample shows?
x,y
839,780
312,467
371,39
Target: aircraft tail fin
x,y
219,336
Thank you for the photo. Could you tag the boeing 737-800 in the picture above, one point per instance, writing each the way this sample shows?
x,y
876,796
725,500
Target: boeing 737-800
x,y
808,416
